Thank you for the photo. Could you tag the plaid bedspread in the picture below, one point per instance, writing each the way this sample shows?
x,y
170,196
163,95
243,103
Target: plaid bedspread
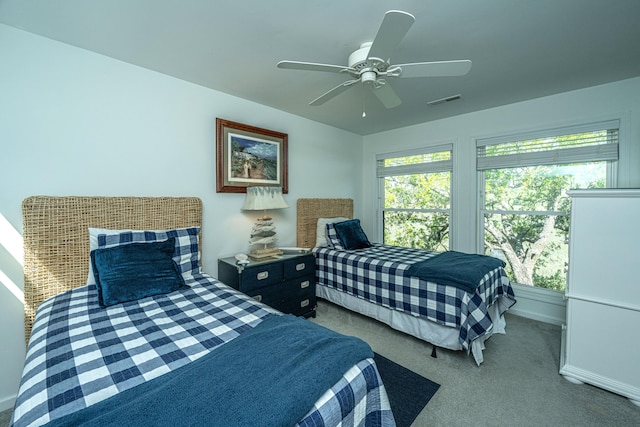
x,y
80,353
379,274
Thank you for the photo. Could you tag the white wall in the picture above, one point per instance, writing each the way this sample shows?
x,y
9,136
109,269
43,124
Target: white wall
x,y
76,123
615,100
72,121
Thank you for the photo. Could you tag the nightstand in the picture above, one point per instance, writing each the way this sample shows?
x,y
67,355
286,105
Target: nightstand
x,y
286,283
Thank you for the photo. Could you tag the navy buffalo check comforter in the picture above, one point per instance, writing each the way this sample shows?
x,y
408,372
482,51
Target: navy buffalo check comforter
x,y
379,274
80,354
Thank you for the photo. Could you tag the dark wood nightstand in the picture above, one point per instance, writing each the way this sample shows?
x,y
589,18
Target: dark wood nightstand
x,y
287,283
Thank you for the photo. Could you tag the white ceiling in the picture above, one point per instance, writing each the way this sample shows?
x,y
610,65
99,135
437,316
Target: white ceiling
x,y
521,49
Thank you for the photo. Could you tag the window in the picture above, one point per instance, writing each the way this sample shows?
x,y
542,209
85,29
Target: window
x,y
524,208
415,197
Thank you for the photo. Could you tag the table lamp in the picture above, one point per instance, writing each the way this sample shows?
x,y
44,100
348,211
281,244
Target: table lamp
x,y
263,232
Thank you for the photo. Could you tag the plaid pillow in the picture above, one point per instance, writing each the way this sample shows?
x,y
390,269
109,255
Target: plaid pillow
x,y
186,254
332,237
321,229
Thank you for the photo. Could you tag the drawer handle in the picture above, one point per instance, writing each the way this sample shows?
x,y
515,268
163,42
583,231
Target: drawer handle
x,y
304,303
304,284
262,275
300,266
257,298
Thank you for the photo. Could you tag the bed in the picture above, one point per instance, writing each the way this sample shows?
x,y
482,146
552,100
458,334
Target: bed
x,y
102,353
376,281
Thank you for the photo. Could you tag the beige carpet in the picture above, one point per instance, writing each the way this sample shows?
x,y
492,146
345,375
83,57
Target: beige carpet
x,y
517,385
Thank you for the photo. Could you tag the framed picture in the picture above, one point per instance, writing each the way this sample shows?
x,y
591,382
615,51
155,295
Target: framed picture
x,y
248,155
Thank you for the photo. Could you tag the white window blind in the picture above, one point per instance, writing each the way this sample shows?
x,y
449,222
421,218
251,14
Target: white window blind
x,y
424,160
586,143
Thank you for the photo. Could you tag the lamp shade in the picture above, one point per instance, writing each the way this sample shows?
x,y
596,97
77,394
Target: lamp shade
x,y
262,198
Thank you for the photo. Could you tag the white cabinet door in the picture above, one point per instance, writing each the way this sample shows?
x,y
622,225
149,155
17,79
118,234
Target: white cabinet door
x,y
605,249
600,343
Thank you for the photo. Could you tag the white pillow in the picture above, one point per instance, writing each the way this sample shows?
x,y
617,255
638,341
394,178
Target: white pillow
x,y
321,229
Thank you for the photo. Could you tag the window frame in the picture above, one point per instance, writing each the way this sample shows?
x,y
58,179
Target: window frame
x,y
421,168
576,155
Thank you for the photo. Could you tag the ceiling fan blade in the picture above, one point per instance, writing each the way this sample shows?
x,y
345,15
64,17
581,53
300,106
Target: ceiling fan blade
x,y
393,29
310,66
333,92
387,96
435,69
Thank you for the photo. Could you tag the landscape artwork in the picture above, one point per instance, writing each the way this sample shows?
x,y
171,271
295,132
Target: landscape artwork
x,y
249,156
253,160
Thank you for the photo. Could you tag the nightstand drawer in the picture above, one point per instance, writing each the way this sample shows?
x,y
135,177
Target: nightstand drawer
x,y
260,276
301,286
301,305
276,296
267,296
287,283
299,266
302,295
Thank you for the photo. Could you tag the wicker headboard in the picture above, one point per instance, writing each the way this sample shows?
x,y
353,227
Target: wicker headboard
x,y
56,239
309,210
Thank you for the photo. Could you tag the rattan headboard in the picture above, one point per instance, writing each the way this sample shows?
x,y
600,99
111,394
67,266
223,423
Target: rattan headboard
x,y
56,239
309,210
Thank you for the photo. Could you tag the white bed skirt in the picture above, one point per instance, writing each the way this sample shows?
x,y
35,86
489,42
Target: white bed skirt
x,y
439,335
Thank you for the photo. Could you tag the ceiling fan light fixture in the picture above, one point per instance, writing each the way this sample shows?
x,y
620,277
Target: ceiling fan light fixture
x,y
369,77
444,100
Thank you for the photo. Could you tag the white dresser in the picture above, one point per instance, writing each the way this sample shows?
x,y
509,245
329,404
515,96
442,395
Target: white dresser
x,y
601,339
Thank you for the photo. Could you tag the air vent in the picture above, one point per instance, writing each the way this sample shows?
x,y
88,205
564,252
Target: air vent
x,y
443,100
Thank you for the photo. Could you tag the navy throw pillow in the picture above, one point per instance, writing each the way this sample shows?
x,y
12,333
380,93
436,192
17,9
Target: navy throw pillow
x,y
351,234
133,271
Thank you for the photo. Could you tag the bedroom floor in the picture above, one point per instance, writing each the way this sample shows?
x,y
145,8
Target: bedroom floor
x,y
517,384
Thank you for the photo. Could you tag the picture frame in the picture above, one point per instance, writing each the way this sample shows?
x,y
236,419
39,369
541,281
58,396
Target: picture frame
x,y
248,155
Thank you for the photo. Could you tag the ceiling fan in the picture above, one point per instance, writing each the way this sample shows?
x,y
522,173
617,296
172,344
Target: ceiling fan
x,y
371,65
